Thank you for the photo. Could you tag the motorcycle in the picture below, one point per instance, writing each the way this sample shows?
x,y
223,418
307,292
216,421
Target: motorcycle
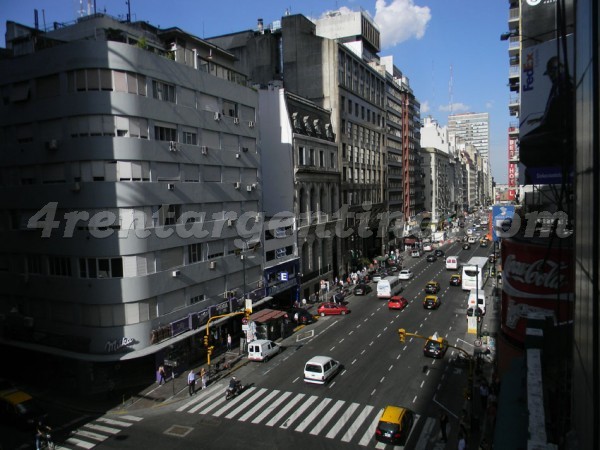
x,y
233,391
47,442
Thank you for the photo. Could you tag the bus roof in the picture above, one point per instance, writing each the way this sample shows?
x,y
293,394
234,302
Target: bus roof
x,y
479,261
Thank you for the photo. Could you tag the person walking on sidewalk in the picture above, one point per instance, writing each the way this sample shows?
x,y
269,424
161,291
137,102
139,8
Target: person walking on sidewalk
x,y
483,394
191,380
228,342
443,425
203,377
161,375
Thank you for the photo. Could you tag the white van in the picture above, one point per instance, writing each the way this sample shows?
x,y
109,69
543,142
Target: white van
x,y
262,350
480,303
452,263
320,369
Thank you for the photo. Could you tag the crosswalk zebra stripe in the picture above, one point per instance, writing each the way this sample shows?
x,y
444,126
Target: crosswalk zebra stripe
x,y
371,430
118,423
132,418
102,428
285,410
314,413
380,445
290,420
247,403
80,443
204,402
231,403
357,423
340,423
215,403
258,406
323,422
270,409
90,435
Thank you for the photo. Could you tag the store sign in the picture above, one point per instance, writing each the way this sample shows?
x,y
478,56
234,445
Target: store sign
x,y
117,344
537,281
199,318
221,308
180,326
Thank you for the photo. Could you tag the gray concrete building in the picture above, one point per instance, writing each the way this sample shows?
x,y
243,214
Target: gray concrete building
x,y
131,168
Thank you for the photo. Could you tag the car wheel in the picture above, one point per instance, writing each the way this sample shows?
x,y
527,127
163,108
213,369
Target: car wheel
x,y
322,314
343,313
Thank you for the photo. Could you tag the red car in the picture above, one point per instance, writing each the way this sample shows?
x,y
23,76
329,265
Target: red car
x,y
397,302
328,309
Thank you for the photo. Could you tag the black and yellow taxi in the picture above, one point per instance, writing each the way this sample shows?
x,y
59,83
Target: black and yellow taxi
x,y
20,409
431,302
432,287
455,279
435,347
394,425
483,242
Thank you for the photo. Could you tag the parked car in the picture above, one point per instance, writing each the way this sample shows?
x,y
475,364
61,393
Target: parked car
x,y
20,409
304,317
435,347
439,252
362,289
328,309
431,258
431,302
262,350
397,302
415,254
394,425
405,274
427,248
432,287
456,279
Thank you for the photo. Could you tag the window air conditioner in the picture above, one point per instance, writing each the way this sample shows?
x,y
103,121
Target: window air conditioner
x,y
237,155
251,124
172,146
236,185
229,222
52,144
204,150
236,120
170,186
217,116
176,273
213,264
249,188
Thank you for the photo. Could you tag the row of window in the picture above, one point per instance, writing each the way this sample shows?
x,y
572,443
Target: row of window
x,y
356,175
365,113
318,158
360,155
360,79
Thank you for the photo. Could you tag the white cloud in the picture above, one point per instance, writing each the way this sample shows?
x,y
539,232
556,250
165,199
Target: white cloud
x,y
489,104
425,108
400,21
456,108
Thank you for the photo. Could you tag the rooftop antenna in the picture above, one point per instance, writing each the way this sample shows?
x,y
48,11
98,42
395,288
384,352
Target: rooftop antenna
x,y
128,10
450,87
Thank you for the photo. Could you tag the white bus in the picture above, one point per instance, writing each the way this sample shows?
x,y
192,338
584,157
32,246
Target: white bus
x,y
474,272
452,263
388,287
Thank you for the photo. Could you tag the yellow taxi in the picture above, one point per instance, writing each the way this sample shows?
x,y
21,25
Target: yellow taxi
x,y
20,409
432,287
431,302
435,347
455,279
394,425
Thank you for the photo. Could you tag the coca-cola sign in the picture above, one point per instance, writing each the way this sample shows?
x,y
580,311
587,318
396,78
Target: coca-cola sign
x,y
537,281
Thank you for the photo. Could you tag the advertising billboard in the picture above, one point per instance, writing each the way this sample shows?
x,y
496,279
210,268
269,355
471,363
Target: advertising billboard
x,y
539,19
501,219
537,282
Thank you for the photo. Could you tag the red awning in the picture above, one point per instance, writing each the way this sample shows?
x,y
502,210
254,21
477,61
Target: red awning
x,y
409,241
266,315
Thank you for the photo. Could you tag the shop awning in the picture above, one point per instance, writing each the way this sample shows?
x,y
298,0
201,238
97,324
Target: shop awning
x,y
266,315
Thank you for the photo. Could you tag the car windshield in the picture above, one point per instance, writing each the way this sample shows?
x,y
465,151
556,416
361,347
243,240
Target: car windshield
x,y
388,427
313,368
433,345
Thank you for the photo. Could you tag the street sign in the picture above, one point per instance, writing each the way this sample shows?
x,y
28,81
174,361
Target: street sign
x,y
283,276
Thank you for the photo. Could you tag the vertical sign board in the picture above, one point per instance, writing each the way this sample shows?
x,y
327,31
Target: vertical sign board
x,y
501,219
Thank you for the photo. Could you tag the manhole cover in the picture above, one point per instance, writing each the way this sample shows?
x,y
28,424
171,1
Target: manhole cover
x,y
178,430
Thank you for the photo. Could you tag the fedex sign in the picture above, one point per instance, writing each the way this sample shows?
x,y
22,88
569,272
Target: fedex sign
x,y
528,72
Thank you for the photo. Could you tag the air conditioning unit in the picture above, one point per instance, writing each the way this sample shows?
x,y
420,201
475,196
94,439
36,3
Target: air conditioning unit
x,y
237,155
172,146
204,150
251,124
249,188
170,186
213,265
254,185
52,144
76,187
236,120
236,185
217,116
244,149
230,222
176,273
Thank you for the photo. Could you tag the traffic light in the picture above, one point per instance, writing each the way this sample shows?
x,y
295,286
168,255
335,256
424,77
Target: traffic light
x,y
210,350
206,340
247,314
402,333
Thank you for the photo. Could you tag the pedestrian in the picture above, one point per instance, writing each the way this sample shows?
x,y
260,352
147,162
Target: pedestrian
x,y
191,380
462,442
443,425
161,375
228,342
203,377
483,394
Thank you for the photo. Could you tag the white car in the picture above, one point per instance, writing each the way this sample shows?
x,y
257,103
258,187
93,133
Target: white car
x,y
427,248
405,274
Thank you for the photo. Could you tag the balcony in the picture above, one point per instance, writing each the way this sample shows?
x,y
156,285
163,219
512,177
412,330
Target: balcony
x,y
514,71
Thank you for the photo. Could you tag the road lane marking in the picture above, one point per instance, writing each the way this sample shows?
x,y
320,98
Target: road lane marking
x,y
247,403
102,428
373,391
342,422
258,406
415,399
371,343
385,329
382,378
379,335
119,423
405,347
298,412
390,368
357,423
399,354
315,412
341,340
231,403
296,379
90,435
331,349
366,439
325,420
271,407
422,383
80,443
285,410
343,372
353,361
350,332
364,350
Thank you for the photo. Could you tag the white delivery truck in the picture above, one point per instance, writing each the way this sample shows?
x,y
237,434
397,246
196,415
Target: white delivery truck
x,y
476,300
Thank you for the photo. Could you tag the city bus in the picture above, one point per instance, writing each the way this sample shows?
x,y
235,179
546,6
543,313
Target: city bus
x,y
388,287
474,273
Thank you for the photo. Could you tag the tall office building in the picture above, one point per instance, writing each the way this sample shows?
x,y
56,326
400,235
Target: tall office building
x,y
129,153
473,129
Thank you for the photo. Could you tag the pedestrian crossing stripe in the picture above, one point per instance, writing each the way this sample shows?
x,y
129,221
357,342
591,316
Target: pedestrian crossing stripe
x,y
340,419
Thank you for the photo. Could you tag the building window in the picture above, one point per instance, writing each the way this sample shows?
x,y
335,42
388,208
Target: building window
x,y
34,264
101,267
321,158
163,91
311,157
189,138
197,299
194,253
59,266
301,161
165,134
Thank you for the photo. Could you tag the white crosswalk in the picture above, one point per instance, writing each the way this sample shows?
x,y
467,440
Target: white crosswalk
x,y
346,421
93,433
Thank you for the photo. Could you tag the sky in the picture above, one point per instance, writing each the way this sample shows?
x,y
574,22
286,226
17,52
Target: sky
x,y
450,50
